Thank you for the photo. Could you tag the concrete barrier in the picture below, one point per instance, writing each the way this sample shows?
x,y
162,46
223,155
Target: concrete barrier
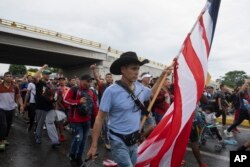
x,y
230,120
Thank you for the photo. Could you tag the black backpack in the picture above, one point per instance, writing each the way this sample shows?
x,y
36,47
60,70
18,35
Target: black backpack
x,y
84,109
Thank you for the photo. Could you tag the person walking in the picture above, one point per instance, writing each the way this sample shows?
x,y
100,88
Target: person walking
x,y
123,101
45,109
83,103
9,92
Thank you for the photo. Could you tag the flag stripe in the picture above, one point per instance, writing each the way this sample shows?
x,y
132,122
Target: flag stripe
x,y
181,143
194,65
199,46
204,35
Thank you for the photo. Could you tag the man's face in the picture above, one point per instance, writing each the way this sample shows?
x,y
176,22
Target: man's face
x,y
24,80
146,80
224,88
46,77
73,81
62,82
210,89
207,111
130,72
30,78
167,84
77,81
109,79
8,78
85,83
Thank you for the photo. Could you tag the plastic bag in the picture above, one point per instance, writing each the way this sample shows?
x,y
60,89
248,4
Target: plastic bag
x,y
60,115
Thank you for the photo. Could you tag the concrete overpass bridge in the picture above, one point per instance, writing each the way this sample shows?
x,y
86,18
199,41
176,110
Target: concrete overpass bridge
x,y
30,45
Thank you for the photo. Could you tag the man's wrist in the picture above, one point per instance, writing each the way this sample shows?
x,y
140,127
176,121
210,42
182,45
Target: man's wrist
x,y
94,145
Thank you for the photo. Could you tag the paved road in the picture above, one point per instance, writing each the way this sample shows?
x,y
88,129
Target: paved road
x,y
23,152
218,159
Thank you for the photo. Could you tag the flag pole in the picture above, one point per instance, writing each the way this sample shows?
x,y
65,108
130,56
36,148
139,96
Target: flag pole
x,y
168,67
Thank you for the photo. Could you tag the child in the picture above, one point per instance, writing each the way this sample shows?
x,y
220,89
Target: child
x,y
210,120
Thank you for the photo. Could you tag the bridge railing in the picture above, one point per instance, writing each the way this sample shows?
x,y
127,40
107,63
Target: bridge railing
x,y
66,37
50,33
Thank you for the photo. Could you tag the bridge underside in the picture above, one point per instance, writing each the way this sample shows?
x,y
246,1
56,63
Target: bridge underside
x,y
20,55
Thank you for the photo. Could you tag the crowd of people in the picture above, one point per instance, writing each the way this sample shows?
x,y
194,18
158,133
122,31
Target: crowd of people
x,y
113,110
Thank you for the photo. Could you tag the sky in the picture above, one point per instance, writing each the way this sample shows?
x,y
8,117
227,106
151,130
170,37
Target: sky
x,y
154,29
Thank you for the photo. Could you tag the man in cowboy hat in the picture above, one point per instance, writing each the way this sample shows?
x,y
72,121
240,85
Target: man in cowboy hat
x,y
120,101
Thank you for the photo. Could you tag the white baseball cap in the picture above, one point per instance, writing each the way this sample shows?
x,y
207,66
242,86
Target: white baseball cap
x,y
145,75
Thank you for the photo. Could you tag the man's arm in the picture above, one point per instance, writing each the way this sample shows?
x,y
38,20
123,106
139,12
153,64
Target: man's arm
x,y
27,96
247,81
37,75
59,102
219,103
96,133
20,102
95,73
166,71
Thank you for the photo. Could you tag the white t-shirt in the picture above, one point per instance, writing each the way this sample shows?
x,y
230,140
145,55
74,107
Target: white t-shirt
x,y
32,88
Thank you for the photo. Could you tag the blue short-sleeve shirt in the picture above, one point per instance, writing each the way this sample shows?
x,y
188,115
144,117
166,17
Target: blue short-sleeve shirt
x,y
124,115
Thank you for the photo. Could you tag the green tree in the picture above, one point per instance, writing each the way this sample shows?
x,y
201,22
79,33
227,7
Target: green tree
x,y
17,69
54,70
234,78
33,69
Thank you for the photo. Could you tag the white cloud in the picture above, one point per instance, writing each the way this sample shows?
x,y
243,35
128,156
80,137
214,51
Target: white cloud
x,y
154,29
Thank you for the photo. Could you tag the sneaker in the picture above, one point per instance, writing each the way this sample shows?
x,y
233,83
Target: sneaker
x,y
2,147
228,134
62,138
203,164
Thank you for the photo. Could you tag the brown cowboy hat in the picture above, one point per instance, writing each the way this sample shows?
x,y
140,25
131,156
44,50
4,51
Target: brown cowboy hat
x,y
125,59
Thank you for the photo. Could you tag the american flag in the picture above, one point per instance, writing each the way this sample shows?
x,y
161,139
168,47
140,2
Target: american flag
x,y
166,145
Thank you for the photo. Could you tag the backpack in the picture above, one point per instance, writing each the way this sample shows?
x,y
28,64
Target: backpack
x,y
84,109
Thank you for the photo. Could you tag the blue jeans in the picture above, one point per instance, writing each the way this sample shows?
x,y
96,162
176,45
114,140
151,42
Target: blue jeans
x,y
79,136
105,131
123,155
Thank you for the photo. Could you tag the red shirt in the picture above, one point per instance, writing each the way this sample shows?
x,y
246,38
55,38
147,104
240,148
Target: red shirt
x,y
62,91
74,99
162,102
